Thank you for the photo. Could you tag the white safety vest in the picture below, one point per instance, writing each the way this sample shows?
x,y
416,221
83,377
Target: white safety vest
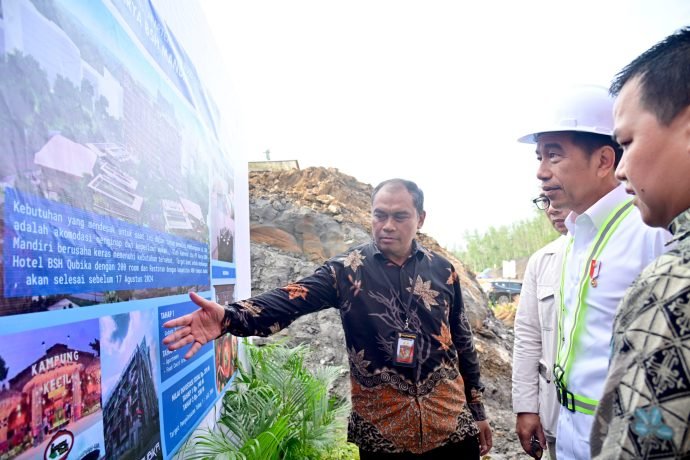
x,y
568,340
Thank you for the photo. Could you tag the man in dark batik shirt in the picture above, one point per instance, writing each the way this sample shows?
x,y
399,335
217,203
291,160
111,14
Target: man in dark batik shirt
x,y
416,391
645,409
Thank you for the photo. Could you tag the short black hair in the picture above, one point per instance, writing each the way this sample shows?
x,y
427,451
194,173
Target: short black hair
x,y
415,191
664,76
591,142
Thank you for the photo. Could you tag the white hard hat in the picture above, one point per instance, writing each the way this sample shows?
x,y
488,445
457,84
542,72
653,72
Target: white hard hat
x,y
586,108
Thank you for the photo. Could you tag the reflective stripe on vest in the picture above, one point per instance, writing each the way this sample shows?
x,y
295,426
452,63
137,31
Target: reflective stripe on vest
x,y
574,402
566,355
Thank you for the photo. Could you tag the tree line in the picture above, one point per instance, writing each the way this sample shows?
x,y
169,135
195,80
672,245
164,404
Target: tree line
x,y
489,249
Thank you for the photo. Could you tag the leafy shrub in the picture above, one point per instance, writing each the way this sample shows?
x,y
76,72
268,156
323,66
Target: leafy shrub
x,y
277,410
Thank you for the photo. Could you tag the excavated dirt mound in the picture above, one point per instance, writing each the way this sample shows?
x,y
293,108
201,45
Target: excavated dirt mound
x,y
300,218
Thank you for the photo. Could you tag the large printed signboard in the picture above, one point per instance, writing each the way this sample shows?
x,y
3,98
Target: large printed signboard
x,y
116,199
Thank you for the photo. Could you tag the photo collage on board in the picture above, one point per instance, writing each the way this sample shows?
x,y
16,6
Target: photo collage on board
x,y
50,401
117,198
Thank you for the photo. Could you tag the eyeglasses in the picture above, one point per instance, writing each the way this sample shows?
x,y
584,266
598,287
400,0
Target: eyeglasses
x,y
542,203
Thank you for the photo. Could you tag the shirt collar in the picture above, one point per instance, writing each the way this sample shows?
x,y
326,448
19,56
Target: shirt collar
x,y
418,250
680,226
599,211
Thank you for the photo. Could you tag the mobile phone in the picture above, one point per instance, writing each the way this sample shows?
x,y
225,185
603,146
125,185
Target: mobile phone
x,y
536,449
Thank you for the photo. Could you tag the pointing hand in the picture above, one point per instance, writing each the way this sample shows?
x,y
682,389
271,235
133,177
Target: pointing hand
x,y
197,328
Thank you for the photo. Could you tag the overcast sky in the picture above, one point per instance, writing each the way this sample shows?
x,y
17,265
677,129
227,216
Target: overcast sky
x,y
433,91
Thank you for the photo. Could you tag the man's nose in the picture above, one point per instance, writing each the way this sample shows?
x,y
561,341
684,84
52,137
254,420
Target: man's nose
x,y
620,170
543,171
388,225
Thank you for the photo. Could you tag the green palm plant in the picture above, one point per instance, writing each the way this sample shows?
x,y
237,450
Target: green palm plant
x,y
277,410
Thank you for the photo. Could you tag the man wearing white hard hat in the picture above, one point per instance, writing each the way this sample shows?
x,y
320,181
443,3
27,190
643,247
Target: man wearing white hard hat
x,y
608,248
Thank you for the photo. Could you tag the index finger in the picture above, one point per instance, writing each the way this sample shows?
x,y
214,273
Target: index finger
x,y
177,322
526,446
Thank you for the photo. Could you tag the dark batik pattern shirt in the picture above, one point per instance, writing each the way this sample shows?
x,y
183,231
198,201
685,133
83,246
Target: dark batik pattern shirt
x,y
394,409
645,410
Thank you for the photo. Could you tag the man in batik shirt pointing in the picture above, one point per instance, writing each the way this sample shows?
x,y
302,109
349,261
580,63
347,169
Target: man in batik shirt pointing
x,y
414,370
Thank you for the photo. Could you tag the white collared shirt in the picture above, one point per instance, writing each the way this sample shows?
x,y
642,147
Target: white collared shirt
x,y
632,247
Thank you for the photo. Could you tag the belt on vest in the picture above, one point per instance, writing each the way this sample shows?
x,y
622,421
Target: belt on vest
x,y
573,402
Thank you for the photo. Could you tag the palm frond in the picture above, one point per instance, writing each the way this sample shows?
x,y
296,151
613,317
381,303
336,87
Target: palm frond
x,y
276,410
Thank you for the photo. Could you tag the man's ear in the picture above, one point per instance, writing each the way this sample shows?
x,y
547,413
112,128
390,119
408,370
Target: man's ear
x,y
606,160
684,119
420,221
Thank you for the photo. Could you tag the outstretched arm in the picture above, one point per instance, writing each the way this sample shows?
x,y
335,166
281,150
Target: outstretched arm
x,y
261,315
197,328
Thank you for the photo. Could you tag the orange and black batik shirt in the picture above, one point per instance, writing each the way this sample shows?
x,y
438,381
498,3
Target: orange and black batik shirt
x,y
394,408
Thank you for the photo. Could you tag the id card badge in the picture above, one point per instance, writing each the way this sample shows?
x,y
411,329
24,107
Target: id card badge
x,y
405,349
